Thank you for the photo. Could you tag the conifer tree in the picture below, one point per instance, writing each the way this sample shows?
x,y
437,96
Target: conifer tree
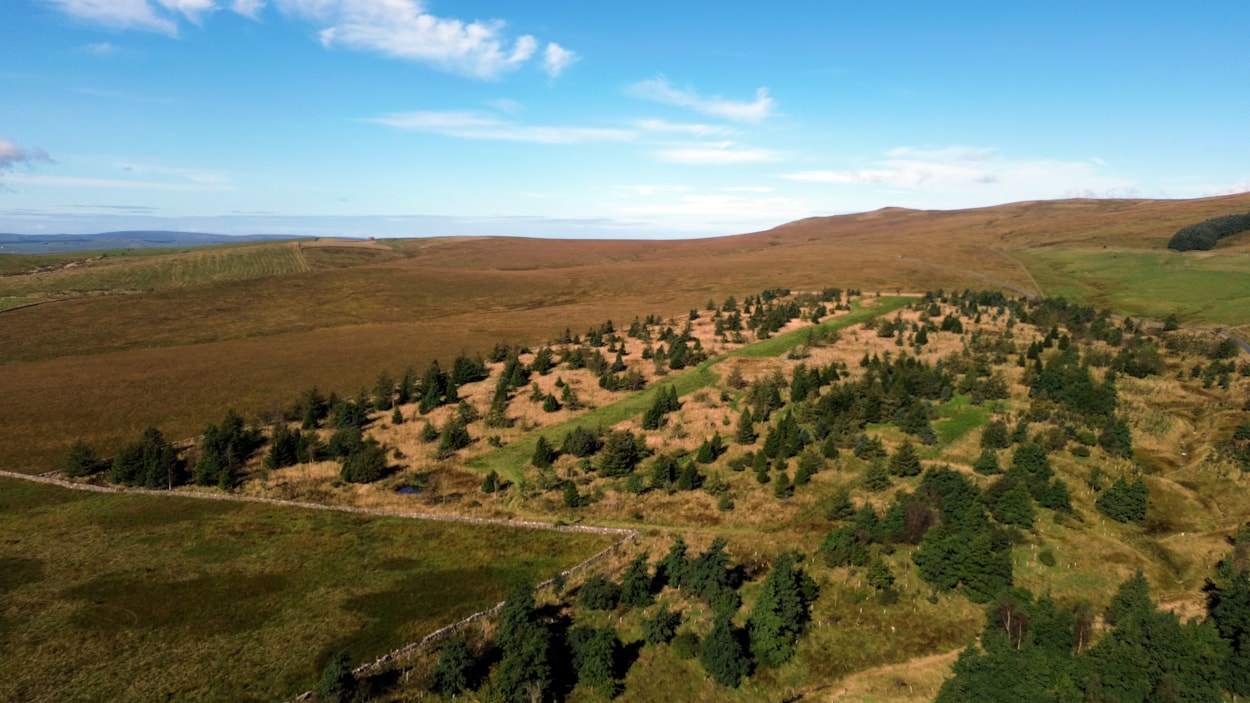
x,y
455,664
722,654
636,583
781,612
746,434
905,462
544,454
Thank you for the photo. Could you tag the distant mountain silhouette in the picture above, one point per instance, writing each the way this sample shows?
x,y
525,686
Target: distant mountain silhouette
x,y
56,243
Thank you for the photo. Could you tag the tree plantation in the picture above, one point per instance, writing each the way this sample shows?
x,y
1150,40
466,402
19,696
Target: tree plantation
x,y
824,484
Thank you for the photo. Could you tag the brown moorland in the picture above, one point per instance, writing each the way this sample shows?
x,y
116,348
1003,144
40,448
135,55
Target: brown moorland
x,y
177,352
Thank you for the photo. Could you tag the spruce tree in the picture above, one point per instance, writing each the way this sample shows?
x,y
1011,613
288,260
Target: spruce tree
x,y
455,664
905,462
636,583
746,434
781,612
81,461
722,655
544,454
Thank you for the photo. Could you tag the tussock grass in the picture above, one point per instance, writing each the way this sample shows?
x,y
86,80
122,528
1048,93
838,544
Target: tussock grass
x,y
137,598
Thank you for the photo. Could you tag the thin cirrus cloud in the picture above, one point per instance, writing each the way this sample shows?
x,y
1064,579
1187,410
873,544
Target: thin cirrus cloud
x,y
661,91
723,153
972,170
691,129
474,125
161,16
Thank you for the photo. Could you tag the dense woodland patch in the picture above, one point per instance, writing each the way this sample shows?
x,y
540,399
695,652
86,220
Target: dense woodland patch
x,y
1205,235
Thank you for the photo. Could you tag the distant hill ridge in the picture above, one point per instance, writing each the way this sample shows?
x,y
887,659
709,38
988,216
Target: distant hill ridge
x,y
141,239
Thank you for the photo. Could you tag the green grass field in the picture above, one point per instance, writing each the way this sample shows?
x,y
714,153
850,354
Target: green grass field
x,y
1200,288
156,271
117,597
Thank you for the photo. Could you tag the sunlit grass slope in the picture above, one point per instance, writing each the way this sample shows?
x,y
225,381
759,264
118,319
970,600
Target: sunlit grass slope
x,y
138,598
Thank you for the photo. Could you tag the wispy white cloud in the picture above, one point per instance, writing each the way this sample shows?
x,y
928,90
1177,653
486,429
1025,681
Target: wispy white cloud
x,y
506,105
694,130
161,16
556,58
660,90
722,153
719,205
248,8
119,14
397,28
1234,189
403,29
13,155
473,125
101,49
118,183
972,170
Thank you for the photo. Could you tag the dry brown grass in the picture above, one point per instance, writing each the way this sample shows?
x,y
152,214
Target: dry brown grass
x,y
103,368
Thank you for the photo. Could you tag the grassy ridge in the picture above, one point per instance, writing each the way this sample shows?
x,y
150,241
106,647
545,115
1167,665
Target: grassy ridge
x,y
1199,288
116,597
510,460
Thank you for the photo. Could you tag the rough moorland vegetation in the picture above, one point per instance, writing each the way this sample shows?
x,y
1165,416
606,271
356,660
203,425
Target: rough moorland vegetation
x,y
841,480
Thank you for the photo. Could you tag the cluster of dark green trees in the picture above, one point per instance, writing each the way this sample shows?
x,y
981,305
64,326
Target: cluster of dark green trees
x,y
543,654
1204,235
1034,649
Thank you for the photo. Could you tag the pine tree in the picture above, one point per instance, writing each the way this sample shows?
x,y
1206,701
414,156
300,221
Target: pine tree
x,y
987,463
81,461
661,626
673,570
595,652
636,583
544,454
905,462
746,434
383,391
722,655
783,489
455,436
781,612
876,478
1116,438
455,664
490,484
994,435
338,683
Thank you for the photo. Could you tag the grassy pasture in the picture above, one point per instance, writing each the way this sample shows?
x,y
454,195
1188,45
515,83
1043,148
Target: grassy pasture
x,y
117,274
1210,288
117,597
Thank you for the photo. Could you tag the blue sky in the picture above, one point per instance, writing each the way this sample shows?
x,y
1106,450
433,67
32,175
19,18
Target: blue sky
x,y
585,119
